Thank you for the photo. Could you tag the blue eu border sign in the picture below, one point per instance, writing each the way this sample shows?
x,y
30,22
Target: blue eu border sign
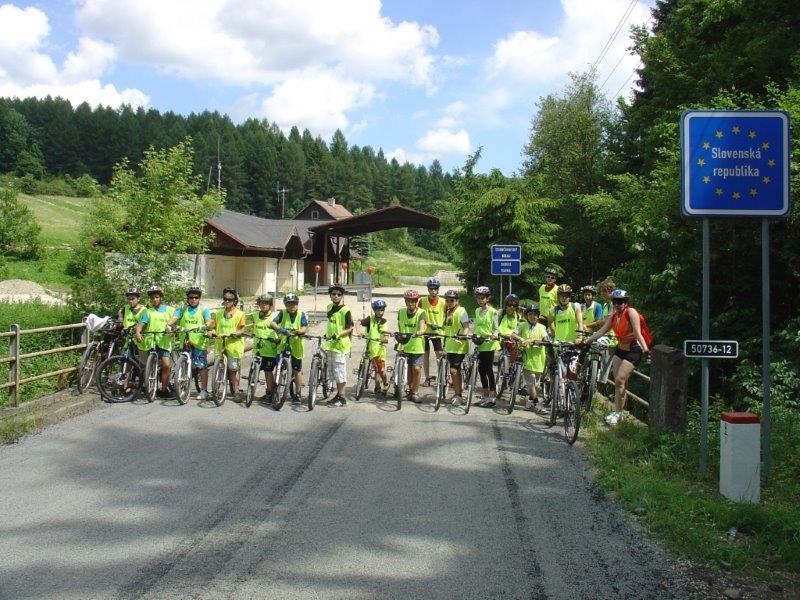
x,y
735,164
506,260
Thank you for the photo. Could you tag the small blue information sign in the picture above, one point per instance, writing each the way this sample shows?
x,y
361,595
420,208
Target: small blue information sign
x,y
735,163
506,267
513,252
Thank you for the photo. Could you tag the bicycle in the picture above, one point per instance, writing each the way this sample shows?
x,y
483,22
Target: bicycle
x,y
590,372
365,368
472,368
318,373
97,350
514,376
502,379
219,375
152,367
443,379
563,390
284,376
255,368
119,378
181,375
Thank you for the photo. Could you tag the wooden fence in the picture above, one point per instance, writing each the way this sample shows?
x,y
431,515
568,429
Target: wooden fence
x,y
14,358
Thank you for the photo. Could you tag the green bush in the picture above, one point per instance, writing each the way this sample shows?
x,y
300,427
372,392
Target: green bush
x,y
31,315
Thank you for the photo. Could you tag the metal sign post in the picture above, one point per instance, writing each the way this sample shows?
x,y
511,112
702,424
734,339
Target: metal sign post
x,y
735,164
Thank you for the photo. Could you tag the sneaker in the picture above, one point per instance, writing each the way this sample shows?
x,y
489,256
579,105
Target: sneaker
x,y
522,391
385,388
613,418
337,401
203,395
296,399
415,398
456,401
530,405
488,402
162,393
377,387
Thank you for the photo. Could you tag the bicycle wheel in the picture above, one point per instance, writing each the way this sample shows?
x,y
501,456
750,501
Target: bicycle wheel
x,y
591,386
88,366
313,381
362,376
151,376
119,379
572,412
281,383
252,381
441,382
502,376
516,383
473,379
182,372
219,381
401,365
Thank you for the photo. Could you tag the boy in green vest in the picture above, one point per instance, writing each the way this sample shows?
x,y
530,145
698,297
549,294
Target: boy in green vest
x,y
548,295
456,322
337,343
292,324
227,323
531,333
566,318
434,309
265,341
592,311
129,315
193,316
377,335
154,323
411,320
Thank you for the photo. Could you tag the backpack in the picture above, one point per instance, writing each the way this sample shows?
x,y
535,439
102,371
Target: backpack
x,y
645,329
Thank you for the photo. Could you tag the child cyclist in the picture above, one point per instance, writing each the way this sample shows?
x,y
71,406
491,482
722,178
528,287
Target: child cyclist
x,y
530,332
154,324
228,323
265,341
456,322
411,321
292,324
485,325
434,309
337,342
376,331
193,316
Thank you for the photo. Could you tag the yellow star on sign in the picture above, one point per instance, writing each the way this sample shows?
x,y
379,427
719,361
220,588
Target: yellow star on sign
x,y
718,191
765,145
736,195
771,162
706,145
753,192
752,134
719,134
735,129
701,162
766,179
706,179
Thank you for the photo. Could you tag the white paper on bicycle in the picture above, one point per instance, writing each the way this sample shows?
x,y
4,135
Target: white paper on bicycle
x,y
95,323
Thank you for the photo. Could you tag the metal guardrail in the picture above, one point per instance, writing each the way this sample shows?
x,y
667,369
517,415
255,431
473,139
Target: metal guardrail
x,y
14,358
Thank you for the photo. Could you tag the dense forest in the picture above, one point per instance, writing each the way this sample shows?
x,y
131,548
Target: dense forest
x,y
598,193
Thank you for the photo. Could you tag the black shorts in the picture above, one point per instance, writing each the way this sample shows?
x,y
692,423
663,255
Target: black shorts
x,y
436,342
455,360
633,356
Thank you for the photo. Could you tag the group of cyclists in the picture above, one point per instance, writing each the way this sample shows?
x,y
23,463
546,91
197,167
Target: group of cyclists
x,y
427,324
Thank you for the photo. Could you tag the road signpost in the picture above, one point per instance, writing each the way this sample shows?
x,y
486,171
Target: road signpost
x,y
506,261
735,164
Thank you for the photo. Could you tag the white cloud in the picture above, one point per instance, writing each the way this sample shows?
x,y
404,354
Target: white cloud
x,y
26,71
445,142
316,100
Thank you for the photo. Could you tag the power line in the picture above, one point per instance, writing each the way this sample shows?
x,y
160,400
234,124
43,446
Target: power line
x,y
602,85
626,83
614,33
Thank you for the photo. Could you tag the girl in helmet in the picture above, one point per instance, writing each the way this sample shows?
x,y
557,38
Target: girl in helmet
x,y
485,325
228,323
624,321
153,327
193,316
292,323
411,319
376,330
591,311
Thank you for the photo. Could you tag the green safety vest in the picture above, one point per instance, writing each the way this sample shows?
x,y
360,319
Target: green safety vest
x,y
533,357
336,324
296,344
484,327
566,322
434,315
234,347
157,322
197,339
265,337
130,318
588,314
375,331
453,326
507,324
410,324
547,300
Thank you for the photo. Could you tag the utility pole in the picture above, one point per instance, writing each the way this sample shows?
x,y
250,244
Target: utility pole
x,y
219,172
281,192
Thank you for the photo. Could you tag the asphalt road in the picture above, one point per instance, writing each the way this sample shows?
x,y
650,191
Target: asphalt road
x,y
166,501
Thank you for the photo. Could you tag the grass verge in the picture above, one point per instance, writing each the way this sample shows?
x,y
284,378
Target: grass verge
x,y
389,264
13,428
656,476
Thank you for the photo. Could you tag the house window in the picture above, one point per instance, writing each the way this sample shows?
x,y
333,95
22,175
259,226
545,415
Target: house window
x,y
315,215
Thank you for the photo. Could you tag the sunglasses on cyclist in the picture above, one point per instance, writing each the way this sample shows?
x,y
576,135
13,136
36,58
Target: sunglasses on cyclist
x,y
229,299
618,301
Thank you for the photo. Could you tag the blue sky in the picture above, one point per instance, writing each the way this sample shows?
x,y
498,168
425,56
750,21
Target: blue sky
x,y
422,79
